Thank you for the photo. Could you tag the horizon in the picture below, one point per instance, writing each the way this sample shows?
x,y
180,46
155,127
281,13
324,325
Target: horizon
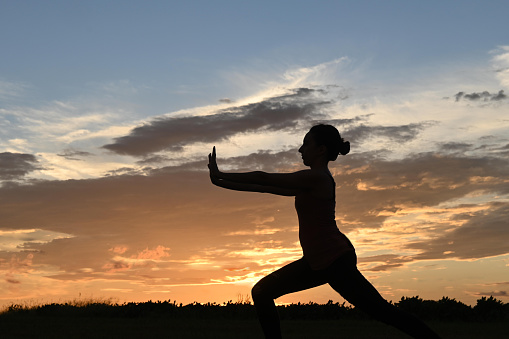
x,y
240,299
109,110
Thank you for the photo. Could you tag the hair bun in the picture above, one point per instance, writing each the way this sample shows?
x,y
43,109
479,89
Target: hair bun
x,y
344,148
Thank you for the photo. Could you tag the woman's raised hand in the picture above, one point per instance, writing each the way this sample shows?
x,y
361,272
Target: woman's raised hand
x,y
214,170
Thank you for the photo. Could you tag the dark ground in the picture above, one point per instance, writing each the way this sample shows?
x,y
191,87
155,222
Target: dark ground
x,y
33,326
451,319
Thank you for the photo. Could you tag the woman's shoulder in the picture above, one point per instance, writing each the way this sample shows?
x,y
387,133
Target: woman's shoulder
x,y
315,172
323,180
322,174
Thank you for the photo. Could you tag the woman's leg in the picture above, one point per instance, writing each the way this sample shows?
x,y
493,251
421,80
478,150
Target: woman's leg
x,y
345,278
296,276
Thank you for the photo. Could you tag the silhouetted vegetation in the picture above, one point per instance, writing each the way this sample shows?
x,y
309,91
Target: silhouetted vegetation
x,y
82,319
486,309
445,309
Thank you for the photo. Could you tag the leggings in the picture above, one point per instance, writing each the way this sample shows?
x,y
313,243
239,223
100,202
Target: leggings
x,y
344,277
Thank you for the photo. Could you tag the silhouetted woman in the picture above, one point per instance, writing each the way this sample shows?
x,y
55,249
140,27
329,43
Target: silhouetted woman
x,y
329,257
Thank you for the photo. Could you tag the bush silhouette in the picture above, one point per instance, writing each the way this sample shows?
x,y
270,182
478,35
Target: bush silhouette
x,y
445,309
488,309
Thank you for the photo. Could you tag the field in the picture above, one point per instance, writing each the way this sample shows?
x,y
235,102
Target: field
x,y
99,327
451,319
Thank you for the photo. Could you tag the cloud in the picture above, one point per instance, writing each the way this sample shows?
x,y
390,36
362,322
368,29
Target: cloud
x,y
455,147
16,165
143,259
119,249
398,133
423,197
288,159
483,234
146,214
62,125
124,224
155,159
125,171
72,154
493,293
481,96
384,262
324,72
9,90
17,265
501,64
20,240
155,254
173,134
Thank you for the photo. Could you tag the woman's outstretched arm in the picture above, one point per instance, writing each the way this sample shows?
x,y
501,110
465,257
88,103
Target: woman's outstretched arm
x,y
236,186
243,186
295,181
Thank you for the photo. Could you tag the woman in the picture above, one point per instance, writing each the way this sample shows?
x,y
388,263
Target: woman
x,y
329,257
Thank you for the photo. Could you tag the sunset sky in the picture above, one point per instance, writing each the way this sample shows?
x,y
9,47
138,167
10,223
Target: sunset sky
x,y
108,110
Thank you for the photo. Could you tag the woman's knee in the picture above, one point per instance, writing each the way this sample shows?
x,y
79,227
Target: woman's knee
x,y
264,288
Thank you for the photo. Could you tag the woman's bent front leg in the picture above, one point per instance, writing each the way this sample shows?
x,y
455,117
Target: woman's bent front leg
x,y
294,277
266,309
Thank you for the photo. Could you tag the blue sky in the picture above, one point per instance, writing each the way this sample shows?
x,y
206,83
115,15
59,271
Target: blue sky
x,y
109,108
65,49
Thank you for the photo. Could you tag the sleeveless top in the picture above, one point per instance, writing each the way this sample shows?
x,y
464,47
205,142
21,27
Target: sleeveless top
x,y
321,240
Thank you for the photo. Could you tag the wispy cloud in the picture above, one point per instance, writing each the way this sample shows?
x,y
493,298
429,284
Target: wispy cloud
x,y
496,294
484,96
501,65
72,154
324,73
9,90
398,133
384,262
21,240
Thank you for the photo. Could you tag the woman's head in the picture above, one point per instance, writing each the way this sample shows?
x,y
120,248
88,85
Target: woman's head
x,y
329,137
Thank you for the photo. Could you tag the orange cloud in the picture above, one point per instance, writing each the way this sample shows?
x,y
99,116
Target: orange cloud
x,y
118,249
155,254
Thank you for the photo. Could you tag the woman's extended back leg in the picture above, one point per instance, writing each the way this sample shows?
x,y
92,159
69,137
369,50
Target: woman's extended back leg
x,y
358,291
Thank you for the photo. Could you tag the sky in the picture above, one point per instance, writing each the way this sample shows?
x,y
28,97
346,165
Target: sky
x,y
108,110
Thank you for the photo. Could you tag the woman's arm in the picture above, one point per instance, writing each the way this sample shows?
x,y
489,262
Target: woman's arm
x,y
296,181
236,186
300,180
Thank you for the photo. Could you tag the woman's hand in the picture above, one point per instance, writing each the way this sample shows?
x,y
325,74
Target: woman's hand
x,y
214,170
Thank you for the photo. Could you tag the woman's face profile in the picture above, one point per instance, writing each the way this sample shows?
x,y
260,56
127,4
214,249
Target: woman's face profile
x,y
309,150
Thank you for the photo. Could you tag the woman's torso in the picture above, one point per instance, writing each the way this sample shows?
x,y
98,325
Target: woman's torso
x,y
320,238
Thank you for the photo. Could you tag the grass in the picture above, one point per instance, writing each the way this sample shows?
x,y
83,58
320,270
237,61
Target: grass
x,y
106,319
33,326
